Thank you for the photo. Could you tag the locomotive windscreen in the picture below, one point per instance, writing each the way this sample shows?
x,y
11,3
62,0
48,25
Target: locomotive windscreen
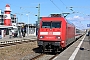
x,y
51,24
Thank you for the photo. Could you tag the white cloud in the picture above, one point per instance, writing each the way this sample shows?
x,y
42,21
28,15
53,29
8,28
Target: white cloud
x,y
80,22
78,18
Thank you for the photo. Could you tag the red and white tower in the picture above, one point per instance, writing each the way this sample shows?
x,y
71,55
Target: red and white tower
x,y
7,19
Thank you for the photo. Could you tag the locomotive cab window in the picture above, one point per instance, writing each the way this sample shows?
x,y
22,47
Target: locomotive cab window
x,y
51,24
56,24
46,24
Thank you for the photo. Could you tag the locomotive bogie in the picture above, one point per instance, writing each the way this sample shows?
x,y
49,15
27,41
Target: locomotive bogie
x,y
50,46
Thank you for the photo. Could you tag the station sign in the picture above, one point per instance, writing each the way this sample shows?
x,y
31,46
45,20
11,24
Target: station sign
x,y
88,25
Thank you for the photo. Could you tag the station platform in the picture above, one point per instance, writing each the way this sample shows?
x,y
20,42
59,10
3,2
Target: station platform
x,y
80,50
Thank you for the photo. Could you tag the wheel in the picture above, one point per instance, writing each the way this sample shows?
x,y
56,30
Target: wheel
x,y
43,48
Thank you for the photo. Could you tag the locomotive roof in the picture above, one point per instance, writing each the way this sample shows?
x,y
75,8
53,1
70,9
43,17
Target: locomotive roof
x,y
53,18
69,22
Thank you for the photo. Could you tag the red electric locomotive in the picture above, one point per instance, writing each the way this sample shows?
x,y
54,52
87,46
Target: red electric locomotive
x,y
55,33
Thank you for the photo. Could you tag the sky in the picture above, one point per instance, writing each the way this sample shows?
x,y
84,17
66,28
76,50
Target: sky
x,y
26,10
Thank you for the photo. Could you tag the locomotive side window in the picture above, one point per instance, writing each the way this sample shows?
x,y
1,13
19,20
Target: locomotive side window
x,y
51,24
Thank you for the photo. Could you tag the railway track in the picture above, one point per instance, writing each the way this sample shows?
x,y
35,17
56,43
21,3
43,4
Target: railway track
x,y
18,41
44,56
15,42
47,56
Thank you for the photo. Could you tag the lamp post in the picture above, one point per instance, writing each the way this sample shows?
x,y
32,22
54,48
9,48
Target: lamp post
x,y
33,14
28,25
38,12
19,27
38,19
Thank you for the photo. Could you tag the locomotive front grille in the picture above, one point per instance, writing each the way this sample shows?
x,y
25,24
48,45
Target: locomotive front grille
x,y
52,43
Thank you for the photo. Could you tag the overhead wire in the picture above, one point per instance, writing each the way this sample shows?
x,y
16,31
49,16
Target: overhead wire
x,y
69,9
63,3
10,4
16,6
56,5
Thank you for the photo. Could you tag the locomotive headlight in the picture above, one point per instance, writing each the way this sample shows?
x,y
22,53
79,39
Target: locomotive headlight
x,y
41,37
58,37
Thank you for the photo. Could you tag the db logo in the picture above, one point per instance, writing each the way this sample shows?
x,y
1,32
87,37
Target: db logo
x,y
50,33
